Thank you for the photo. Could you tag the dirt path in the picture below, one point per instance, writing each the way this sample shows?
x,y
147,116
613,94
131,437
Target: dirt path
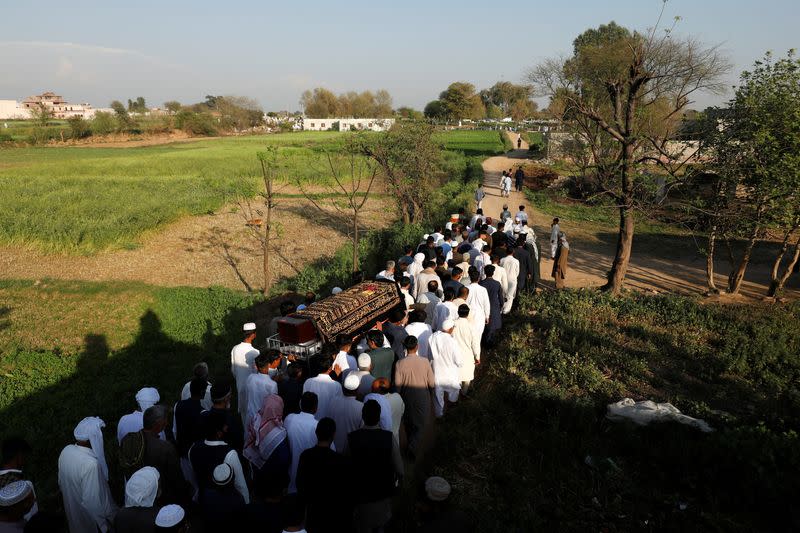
x,y
201,251
655,267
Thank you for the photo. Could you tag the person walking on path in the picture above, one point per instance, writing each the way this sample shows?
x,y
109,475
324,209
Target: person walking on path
x,y
519,179
479,196
555,229
519,141
560,260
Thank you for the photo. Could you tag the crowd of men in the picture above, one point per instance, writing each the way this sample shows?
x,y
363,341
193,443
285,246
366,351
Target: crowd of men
x,y
288,445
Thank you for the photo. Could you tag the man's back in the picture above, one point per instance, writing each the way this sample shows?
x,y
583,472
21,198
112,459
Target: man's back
x,y
413,373
323,484
326,390
371,452
189,424
382,362
135,520
162,456
346,412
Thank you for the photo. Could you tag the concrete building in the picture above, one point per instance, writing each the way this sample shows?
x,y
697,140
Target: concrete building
x,y
347,124
58,107
13,110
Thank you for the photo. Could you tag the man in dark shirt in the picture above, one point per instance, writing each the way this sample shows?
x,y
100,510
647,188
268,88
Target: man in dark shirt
x,y
221,396
376,466
266,512
163,456
382,358
188,420
291,389
395,332
323,484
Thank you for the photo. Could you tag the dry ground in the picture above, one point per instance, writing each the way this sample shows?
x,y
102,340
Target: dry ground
x,y
203,250
667,268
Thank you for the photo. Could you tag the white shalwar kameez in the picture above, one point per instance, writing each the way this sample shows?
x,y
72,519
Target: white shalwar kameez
x,y
446,362
243,358
301,431
479,308
469,346
422,331
511,264
87,498
258,387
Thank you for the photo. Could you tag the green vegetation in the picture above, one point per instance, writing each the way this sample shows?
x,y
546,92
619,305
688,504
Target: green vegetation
x,y
82,200
107,341
567,354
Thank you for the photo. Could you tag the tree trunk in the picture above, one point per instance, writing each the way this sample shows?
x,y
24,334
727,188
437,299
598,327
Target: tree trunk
x,y
712,243
619,268
267,231
355,241
737,275
777,282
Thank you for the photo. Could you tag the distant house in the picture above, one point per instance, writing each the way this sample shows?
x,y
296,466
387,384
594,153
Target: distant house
x,y
347,124
58,107
13,110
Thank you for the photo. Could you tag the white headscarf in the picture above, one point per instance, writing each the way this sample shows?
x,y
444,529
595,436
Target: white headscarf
x,y
416,267
91,429
563,238
142,488
147,397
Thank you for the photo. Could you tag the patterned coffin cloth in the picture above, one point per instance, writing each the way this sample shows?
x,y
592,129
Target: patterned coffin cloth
x,y
353,310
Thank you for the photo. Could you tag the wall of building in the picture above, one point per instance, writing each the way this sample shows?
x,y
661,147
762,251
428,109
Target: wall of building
x,y
11,109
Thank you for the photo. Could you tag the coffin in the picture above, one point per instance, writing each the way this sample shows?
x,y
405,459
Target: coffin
x,y
354,310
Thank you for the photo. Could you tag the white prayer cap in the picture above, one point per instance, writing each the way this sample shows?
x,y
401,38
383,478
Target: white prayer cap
x,y
15,492
250,326
91,429
147,397
142,488
448,325
449,226
364,361
425,237
437,489
336,290
351,382
170,516
419,257
223,474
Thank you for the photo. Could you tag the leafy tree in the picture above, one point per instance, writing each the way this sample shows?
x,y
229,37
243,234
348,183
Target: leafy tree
x,y
172,106
505,95
319,103
755,145
435,110
623,92
410,113
124,121
383,104
238,112
460,101
195,123
41,114
522,109
137,106
410,160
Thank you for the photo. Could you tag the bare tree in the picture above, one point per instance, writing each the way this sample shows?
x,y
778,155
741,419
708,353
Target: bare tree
x,y
623,93
258,216
346,197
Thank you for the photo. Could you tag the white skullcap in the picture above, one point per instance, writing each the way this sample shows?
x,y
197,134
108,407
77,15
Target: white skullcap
x,y
250,326
91,429
437,489
142,488
223,474
170,515
449,226
147,397
336,290
15,492
448,324
351,382
364,360
425,237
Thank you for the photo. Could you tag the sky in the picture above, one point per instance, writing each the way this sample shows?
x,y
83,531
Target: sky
x,y
98,51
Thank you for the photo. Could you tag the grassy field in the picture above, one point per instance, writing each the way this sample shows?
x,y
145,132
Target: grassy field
x,y
567,354
86,199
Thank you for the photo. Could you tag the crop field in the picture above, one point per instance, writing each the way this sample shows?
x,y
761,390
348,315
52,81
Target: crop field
x,y
87,199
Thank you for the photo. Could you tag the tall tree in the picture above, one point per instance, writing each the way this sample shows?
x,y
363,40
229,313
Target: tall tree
x,y
410,160
628,89
506,95
319,103
755,149
435,110
460,101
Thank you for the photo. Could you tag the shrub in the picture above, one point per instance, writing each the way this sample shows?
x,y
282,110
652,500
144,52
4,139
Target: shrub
x,y
195,123
103,123
79,128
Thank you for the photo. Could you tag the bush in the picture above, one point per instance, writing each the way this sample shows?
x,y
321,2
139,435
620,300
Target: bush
x,y
507,144
103,123
79,128
195,123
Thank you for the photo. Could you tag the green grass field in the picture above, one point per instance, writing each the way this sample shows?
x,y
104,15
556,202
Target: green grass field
x,y
86,199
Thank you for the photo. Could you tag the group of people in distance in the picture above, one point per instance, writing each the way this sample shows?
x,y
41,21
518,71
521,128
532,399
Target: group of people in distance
x,y
318,445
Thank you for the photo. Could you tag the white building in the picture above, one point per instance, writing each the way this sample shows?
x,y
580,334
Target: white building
x,y
11,109
347,124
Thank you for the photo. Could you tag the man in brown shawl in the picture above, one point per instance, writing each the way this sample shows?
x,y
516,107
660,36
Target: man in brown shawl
x,y
560,260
